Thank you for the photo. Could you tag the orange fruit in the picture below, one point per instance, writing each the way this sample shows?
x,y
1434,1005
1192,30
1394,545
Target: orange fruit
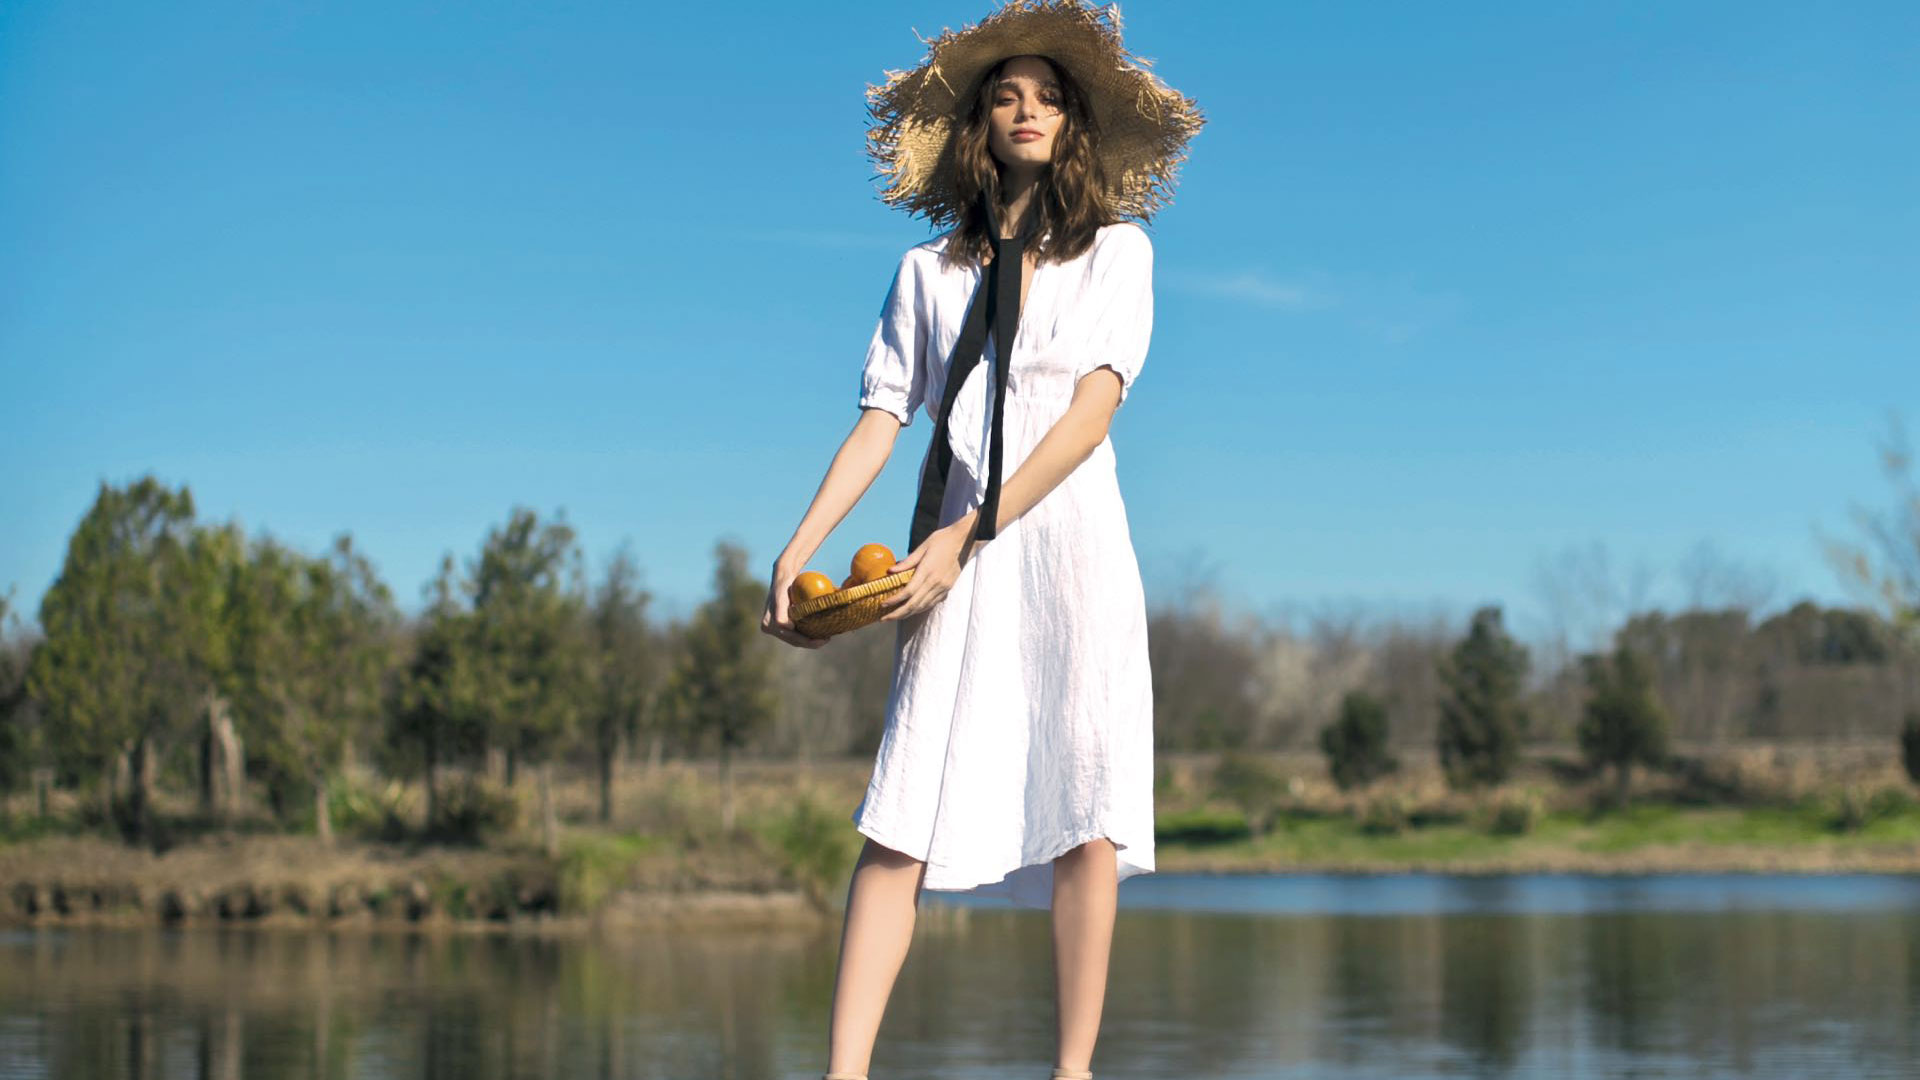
x,y
871,561
808,585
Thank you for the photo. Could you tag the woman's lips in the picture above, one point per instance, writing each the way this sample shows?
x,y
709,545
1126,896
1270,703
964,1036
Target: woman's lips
x,y
1025,136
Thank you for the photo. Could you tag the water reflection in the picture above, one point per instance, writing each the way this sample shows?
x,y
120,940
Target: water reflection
x,y
1493,977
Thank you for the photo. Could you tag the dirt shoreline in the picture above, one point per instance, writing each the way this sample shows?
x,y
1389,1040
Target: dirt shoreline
x,y
287,882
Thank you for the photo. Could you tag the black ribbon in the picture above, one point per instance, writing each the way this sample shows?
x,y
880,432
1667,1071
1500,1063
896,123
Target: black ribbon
x,y
996,302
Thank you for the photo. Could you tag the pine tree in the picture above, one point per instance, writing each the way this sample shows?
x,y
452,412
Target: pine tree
x,y
624,668
1356,743
1481,715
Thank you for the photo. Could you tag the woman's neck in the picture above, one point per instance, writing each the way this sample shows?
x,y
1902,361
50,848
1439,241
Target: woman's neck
x,y
1019,185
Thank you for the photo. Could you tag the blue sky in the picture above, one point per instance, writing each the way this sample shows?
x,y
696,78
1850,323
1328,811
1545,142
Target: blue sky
x,y
1446,291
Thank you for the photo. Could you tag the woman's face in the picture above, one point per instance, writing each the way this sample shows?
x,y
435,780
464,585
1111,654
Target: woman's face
x,y
1025,112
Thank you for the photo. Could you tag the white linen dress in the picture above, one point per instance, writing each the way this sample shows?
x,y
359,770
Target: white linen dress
x,y
1020,720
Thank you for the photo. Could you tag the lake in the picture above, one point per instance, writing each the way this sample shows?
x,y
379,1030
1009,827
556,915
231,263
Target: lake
x,y
1296,976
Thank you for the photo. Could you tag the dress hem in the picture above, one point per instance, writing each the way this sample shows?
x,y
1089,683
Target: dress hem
x,y
1124,867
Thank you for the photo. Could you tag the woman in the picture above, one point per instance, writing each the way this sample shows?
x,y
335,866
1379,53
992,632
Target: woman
x,y
1017,755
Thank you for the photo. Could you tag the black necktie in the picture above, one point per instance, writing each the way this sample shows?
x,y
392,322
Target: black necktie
x,y
996,301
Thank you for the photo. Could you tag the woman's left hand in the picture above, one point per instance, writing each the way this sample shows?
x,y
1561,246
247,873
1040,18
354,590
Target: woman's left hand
x,y
936,566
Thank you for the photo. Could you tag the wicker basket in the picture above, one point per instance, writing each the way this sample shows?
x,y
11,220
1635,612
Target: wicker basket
x,y
842,610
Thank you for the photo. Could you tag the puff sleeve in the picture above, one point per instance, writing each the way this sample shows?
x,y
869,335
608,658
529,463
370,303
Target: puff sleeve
x,y
1120,306
893,378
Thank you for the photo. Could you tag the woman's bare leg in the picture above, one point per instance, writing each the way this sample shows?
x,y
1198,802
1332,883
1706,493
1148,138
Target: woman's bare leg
x,y
1085,893
882,902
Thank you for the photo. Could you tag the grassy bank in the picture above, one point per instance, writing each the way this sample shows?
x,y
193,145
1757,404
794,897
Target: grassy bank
x,y
1640,839
664,857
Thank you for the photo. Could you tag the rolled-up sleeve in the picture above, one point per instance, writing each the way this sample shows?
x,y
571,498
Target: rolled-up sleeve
x,y
1121,302
893,377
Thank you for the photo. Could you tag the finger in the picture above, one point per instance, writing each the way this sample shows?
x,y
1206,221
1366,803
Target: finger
x,y
913,607
900,601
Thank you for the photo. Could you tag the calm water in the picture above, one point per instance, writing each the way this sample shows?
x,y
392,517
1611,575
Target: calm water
x,y
1212,977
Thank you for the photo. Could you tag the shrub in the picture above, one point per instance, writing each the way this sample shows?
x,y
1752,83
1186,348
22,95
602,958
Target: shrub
x,y
1515,813
815,845
594,866
471,809
1253,785
1356,743
369,811
1857,807
1384,815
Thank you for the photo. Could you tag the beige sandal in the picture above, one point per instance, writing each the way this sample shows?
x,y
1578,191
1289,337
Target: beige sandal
x,y
1061,1072
844,1076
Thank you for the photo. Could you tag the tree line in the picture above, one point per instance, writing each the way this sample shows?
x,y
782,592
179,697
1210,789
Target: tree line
x,y
180,655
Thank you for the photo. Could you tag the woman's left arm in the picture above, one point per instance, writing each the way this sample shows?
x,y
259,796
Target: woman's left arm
x,y
1070,441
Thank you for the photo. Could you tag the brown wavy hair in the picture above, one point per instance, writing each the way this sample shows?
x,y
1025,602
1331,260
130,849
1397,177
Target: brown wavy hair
x,y
1069,198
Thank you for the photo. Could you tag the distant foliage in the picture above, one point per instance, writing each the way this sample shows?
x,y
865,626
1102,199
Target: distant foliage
x,y
1253,785
1481,715
720,689
815,848
18,749
1910,746
1356,743
1624,722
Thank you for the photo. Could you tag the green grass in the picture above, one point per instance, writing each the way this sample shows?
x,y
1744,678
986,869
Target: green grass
x,y
594,865
1222,835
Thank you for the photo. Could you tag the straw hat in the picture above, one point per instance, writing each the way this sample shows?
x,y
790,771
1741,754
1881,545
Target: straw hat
x,y
1144,124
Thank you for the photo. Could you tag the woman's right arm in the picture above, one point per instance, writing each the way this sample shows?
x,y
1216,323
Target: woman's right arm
x,y
858,462
890,392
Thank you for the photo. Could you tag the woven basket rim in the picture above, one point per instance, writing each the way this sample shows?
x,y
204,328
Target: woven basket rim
x,y
814,605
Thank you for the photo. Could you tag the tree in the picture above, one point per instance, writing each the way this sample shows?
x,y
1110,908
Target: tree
x,y
624,668
1356,743
314,648
1910,745
434,718
112,676
720,685
1623,722
1890,575
1481,715
213,582
20,752
528,606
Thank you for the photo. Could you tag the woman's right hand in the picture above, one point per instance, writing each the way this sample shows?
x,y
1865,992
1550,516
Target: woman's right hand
x,y
774,620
